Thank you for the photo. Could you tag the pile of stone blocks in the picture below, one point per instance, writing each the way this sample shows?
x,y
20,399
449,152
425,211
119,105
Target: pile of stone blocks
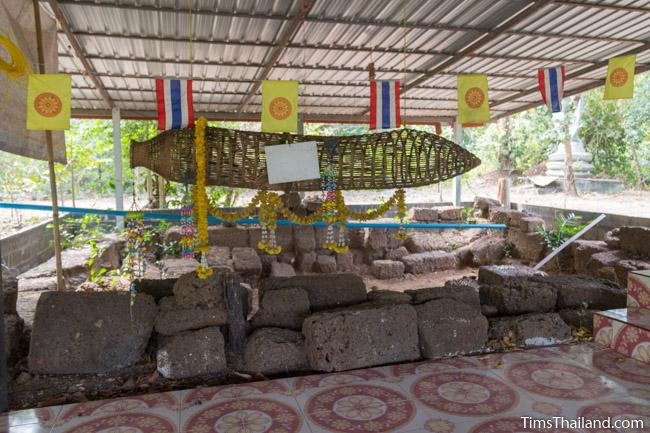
x,y
530,308
436,214
332,324
623,250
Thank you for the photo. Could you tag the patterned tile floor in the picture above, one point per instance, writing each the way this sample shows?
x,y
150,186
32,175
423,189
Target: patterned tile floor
x,y
481,394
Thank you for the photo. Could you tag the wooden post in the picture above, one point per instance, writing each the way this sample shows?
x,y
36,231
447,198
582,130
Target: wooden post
x,y
60,283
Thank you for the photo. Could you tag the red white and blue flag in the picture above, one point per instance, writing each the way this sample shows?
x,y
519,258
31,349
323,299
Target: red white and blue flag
x,y
175,108
384,104
551,85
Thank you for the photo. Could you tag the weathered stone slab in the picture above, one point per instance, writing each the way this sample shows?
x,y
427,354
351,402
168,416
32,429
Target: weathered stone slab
x,y
531,224
449,213
582,252
37,284
323,291
345,261
306,261
246,261
501,274
483,204
361,337
464,291
531,330
483,251
387,269
219,256
397,253
231,237
13,328
173,268
275,351
279,269
423,214
612,239
325,264
388,297
154,283
173,318
574,291
430,261
623,267
282,308
191,291
10,294
93,333
420,242
603,264
578,318
526,246
635,240
520,296
448,327
192,353
500,215
304,239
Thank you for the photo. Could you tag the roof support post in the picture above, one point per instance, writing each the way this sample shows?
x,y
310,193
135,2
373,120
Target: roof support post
x,y
4,386
117,164
458,139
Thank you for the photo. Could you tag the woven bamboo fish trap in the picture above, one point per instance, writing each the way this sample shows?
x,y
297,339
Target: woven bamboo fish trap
x,y
392,159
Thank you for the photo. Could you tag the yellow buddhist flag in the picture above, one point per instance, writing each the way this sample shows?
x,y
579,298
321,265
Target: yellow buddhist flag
x,y
473,104
48,101
279,106
620,77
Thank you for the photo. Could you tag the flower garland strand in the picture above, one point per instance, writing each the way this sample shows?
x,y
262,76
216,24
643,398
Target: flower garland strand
x,y
135,264
188,231
329,206
401,214
269,206
201,199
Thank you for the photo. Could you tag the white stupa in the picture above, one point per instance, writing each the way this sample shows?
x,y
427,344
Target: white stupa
x,y
581,158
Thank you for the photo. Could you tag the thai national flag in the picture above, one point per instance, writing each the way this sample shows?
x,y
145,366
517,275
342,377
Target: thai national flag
x,y
551,84
384,105
175,108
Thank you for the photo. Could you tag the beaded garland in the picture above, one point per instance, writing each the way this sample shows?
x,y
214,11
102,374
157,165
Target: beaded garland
x,y
135,264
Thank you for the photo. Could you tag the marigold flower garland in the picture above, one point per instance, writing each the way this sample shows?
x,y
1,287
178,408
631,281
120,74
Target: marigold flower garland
x,y
201,199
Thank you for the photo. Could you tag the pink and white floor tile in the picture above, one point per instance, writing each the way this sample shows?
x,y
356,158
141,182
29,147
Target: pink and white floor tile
x,y
480,394
254,414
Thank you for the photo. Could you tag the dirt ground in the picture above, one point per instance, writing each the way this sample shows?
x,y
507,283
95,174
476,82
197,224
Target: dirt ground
x,y
411,282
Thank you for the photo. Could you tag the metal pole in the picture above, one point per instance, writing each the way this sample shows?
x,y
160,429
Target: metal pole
x,y
117,163
60,283
568,242
4,385
458,138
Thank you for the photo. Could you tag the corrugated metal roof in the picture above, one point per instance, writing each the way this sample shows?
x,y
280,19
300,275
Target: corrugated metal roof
x,y
128,43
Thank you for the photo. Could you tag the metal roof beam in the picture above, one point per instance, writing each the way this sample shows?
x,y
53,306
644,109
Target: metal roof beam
x,y
574,75
339,21
331,47
79,53
253,117
303,94
604,6
294,66
334,83
292,28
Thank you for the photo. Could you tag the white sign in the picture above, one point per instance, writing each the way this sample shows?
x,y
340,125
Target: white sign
x,y
292,162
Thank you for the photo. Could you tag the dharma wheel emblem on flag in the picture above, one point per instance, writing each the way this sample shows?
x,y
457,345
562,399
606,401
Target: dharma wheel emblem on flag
x,y
618,77
474,97
48,104
280,108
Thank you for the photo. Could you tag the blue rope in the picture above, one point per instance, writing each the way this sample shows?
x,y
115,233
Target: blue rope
x,y
161,216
